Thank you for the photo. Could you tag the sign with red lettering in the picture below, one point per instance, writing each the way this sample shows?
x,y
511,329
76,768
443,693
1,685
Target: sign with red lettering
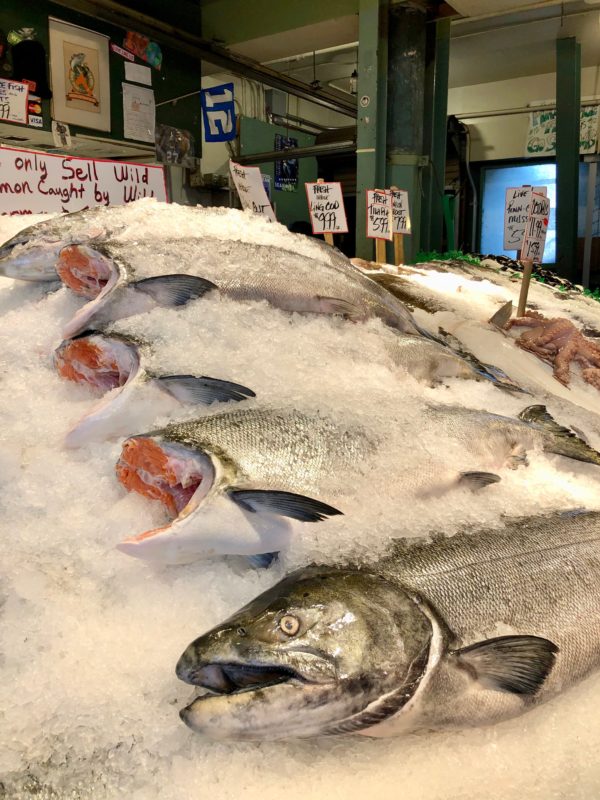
x,y
32,182
326,207
536,228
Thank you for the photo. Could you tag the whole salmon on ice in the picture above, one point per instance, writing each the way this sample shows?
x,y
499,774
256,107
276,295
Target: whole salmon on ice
x,y
444,633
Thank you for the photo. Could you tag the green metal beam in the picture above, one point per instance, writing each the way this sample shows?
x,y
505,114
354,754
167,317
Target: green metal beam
x,y
436,112
568,100
370,132
404,107
232,21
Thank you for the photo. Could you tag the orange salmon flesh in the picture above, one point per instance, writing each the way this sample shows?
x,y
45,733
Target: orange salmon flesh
x,y
145,468
86,273
82,361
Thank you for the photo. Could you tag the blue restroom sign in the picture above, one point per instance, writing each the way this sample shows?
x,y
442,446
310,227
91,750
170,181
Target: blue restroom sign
x,y
218,113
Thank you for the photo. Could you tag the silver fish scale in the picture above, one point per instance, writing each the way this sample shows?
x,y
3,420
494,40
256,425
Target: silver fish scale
x,y
482,431
278,449
287,280
537,577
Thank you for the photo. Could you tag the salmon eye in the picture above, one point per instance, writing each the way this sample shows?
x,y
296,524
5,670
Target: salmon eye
x,y
289,624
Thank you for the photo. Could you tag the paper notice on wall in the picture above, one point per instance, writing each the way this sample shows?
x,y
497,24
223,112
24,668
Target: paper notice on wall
x,y
138,113
516,213
37,183
138,73
541,135
401,211
326,207
251,190
13,101
536,228
379,214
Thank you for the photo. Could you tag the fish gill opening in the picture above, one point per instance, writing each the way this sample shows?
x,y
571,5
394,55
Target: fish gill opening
x,y
151,470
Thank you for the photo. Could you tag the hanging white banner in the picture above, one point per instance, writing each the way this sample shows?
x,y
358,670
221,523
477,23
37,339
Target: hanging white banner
x,y
33,182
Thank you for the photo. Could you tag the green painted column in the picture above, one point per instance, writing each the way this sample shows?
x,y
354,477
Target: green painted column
x,y
405,110
568,100
370,132
436,112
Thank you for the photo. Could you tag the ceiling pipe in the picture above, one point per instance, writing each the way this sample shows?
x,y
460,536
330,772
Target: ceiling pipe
x,y
203,50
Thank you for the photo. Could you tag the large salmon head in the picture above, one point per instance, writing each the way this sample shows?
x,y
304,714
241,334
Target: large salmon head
x,y
325,651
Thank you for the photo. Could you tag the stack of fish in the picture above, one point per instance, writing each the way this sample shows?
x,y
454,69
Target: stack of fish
x,y
375,649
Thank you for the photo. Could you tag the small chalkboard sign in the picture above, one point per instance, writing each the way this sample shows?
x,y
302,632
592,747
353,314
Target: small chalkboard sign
x,y
379,214
251,190
326,207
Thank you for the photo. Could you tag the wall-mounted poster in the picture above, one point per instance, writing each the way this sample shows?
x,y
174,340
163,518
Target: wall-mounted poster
x,y
79,75
286,171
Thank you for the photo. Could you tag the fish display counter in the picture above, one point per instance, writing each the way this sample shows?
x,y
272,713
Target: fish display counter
x,y
278,521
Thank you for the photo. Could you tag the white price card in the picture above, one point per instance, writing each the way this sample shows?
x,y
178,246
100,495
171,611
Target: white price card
x,y
326,207
516,213
401,211
536,228
251,190
13,101
379,214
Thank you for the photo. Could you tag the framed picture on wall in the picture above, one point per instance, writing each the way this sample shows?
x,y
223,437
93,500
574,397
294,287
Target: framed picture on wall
x,y
80,76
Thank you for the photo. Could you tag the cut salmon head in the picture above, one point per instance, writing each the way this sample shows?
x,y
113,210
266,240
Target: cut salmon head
x,y
97,360
179,476
84,270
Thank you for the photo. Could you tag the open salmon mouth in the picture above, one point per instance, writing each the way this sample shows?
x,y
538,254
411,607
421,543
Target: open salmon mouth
x,y
84,270
234,678
98,361
168,473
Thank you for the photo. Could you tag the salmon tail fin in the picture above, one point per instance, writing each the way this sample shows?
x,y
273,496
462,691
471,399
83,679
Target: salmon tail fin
x,y
560,440
486,372
501,317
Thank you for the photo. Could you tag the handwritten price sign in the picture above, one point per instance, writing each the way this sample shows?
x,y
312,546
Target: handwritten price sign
x,y
379,214
401,211
516,214
536,228
251,190
326,207
13,101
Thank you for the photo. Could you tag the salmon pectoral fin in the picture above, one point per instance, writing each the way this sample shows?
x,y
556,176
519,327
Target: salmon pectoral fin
x,y
287,504
517,664
340,307
477,480
174,290
202,390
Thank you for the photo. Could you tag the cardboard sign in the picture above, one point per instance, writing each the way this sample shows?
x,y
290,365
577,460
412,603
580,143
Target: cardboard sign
x,y
326,207
250,188
516,214
38,183
536,228
13,101
379,214
218,113
401,211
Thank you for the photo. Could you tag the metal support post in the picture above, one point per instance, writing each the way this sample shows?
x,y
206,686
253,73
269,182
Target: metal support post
x,y
405,106
436,111
372,50
568,97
